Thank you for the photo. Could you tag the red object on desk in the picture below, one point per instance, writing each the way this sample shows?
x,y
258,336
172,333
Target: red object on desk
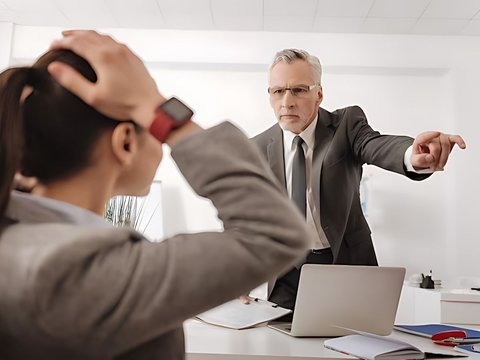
x,y
449,338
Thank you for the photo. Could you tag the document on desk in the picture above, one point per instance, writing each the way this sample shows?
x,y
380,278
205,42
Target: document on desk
x,y
369,346
237,315
473,351
374,347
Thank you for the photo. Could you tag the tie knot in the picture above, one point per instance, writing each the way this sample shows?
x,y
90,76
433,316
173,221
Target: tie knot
x,y
297,141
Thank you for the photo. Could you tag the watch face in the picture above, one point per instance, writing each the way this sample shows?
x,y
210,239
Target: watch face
x,y
177,110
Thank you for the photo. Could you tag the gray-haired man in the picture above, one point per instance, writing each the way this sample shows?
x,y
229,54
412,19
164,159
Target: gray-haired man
x,y
335,145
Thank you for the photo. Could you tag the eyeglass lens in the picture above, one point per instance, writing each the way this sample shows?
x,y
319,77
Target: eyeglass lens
x,y
295,91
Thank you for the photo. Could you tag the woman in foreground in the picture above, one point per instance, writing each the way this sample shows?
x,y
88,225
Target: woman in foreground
x,y
74,287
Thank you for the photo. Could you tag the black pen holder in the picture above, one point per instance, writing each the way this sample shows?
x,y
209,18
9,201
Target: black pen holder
x,y
427,282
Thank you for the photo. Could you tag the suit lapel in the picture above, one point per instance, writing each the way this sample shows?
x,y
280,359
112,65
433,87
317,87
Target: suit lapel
x,y
275,156
276,160
323,138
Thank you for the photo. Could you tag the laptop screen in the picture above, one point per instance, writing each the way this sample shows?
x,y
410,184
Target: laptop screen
x,y
333,297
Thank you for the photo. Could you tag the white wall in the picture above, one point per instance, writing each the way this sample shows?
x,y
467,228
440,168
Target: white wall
x,y
6,31
405,84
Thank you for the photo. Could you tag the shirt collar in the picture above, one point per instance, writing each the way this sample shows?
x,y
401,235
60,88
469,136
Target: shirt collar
x,y
307,135
24,207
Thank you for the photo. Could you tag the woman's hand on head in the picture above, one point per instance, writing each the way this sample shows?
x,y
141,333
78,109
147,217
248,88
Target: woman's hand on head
x,y
124,89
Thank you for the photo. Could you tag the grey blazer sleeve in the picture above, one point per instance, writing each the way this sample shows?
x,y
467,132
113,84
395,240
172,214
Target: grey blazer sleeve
x,y
125,293
371,147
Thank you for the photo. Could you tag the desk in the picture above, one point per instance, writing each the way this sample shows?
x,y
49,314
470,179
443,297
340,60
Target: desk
x,y
209,342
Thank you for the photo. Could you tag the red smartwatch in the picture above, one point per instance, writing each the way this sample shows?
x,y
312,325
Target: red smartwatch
x,y
170,115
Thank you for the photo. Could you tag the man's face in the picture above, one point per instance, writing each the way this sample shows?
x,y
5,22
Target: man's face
x,y
296,109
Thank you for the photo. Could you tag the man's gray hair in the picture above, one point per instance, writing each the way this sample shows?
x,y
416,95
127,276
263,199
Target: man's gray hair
x,y
290,55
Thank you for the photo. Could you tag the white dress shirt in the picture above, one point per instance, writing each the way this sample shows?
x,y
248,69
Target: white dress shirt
x,y
308,136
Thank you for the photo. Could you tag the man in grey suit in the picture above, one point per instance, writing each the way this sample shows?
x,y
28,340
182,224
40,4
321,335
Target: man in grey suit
x,y
334,146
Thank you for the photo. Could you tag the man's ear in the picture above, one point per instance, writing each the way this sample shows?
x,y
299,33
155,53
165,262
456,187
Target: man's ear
x,y
319,95
124,143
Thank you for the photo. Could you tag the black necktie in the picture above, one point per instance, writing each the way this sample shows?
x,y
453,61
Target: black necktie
x,y
299,182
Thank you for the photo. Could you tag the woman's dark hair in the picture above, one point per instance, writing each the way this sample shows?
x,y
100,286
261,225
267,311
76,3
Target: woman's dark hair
x,y
50,135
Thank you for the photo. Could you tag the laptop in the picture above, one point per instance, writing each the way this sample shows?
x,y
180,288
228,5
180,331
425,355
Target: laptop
x,y
334,298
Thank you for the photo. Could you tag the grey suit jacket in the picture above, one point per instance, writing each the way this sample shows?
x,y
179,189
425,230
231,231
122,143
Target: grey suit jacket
x,y
71,291
343,143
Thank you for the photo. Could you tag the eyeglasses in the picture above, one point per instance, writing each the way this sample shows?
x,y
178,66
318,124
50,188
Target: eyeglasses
x,y
299,91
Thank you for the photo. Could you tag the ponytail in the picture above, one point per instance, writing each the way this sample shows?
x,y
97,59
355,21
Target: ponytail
x,y
12,83
52,133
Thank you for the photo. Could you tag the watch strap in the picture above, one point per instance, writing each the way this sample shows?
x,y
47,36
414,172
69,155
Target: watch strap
x,y
161,125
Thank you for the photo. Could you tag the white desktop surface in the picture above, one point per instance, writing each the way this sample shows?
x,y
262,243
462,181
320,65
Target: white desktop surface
x,y
209,342
204,341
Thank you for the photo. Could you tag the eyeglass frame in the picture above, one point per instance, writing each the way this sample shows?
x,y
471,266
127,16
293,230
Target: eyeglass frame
x,y
291,89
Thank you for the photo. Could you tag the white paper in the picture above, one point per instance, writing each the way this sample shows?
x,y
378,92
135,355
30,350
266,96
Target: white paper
x,y
370,346
470,350
237,315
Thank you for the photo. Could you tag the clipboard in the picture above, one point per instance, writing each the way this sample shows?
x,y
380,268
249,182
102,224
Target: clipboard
x,y
237,315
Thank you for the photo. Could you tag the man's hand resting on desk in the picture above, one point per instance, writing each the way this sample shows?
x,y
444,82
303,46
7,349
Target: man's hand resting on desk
x,y
245,299
431,149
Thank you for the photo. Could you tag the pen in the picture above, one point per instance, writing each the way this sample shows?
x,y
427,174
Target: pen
x,y
257,300
475,288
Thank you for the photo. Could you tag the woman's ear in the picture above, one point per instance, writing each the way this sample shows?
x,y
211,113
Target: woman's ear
x,y
124,143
